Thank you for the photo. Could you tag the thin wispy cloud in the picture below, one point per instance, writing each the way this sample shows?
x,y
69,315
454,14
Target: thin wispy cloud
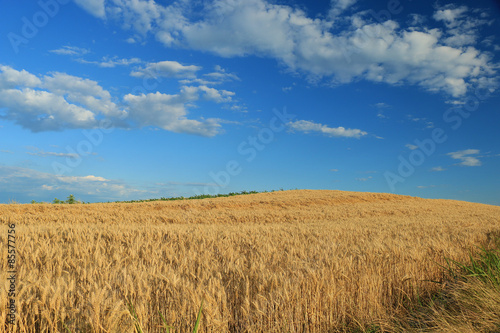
x,y
411,147
24,180
111,62
42,153
467,157
306,126
71,51
364,179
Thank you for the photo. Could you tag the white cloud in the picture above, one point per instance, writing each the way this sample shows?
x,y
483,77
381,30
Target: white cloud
x,y
462,24
71,51
428,124
382,105
218,96
94,7
54,102
465,158
222,76
339,6
140,15
411,147
167,69
82,91
169,112
39,152
110,62
105,62
11,78
428,186
439,60
416,20
438,168
214,78
59,101
32,183
309,126
455,102
364,179
81,179
334,170
449,13
43,111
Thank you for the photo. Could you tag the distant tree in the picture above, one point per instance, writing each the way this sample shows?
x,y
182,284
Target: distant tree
x,y
71,199
57,201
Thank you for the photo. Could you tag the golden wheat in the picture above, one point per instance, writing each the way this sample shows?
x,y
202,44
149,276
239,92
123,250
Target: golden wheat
x,y
293,261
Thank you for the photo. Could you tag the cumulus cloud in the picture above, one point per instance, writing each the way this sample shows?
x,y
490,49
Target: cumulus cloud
x,y
11,78
52,102
82,91
169,112
167,69
309,126
439,59
465,157
43,111
59,101
218,96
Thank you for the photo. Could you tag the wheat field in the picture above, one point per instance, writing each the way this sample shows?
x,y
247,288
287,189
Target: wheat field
x,y
291,261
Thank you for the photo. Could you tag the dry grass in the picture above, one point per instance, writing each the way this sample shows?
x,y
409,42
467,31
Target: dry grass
x,y
293,261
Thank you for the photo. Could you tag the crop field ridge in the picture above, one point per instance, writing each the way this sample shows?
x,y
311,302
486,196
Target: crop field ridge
x,y
288,261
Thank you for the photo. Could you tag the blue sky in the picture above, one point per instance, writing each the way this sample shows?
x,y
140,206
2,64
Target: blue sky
x,y
131,99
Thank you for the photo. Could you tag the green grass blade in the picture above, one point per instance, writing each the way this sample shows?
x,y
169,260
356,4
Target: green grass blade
x,y
136,318
198,319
